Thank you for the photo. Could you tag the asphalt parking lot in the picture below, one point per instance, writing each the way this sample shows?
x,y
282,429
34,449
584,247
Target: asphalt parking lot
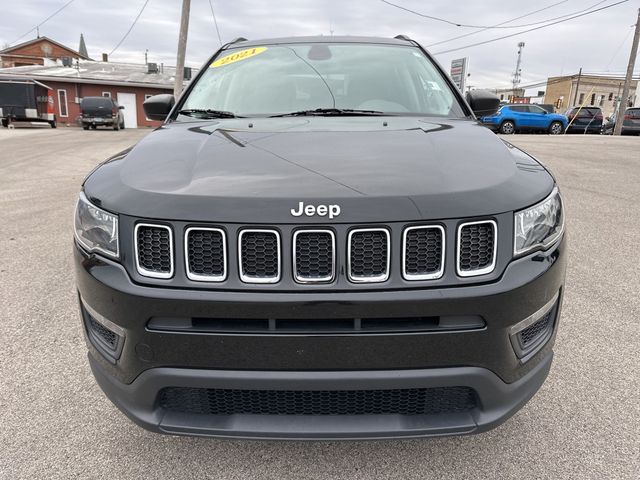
x,y
56,423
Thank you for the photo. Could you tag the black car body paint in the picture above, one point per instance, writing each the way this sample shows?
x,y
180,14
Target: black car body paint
x,y
406,355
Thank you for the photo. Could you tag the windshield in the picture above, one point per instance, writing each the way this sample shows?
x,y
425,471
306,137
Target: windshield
x,y
90,102
280,79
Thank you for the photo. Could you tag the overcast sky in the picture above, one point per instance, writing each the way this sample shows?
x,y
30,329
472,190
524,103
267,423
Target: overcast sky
x,y
598,42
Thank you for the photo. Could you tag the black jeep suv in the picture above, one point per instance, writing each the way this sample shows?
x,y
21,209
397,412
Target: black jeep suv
x,y
320,242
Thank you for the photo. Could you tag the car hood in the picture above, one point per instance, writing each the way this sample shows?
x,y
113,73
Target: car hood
x,y
376,169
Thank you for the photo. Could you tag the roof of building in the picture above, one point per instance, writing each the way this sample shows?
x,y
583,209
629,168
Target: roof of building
x,y
8,50
101,73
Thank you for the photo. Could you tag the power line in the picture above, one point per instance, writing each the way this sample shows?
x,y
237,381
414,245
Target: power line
x,y
487,27
617,51
130,28
215,21
518,18
44,21
531,29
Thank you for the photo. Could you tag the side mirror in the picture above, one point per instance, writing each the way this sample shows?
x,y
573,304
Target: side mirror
x,y
158,106
121,107
483,102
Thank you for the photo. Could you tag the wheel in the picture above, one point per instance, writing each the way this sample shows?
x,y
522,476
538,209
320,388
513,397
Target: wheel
x,y
53,124
508,127
116,126
94,127
85,127
122,125
555,128
5,123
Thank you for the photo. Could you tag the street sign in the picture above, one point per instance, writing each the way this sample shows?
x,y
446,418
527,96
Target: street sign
x,y
459,72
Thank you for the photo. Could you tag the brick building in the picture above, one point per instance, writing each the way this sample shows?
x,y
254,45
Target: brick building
x,y
37,52
72,76
597,90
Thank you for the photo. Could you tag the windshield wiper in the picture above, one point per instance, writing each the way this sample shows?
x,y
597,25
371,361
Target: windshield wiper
x,y
207,113
332,112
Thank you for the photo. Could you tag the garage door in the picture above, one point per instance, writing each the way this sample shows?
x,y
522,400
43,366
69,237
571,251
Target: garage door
x,y
128,101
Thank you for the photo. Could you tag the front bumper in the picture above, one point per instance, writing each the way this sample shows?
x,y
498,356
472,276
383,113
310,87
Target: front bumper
x,y
483,359
497,402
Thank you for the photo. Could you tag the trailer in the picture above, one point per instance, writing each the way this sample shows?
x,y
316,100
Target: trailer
x,y
26,100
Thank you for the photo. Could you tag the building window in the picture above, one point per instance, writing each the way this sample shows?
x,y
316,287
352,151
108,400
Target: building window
x,y
581,101
593,99
611,96
601,100
62,103
106,94
502,96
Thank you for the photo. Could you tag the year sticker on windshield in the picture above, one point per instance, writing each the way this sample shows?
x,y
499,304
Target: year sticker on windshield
x,y
237,56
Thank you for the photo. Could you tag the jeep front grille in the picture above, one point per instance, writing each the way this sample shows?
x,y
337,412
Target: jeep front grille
x,y
205,252
154,250
306,256
423,252
476,248
259,257
369,255
314,256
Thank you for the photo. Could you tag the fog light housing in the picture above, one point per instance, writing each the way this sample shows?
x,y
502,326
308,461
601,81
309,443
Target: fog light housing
x,y
104,335
531,334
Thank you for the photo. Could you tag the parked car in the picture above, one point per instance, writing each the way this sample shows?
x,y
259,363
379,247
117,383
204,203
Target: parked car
x,y
26,101
630,123
525,117
549,107
584,119
101,112
321,242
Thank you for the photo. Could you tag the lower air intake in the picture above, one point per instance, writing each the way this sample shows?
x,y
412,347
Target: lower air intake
x,y
413,401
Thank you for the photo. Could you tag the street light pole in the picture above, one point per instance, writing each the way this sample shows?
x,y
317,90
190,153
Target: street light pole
x,y
182,47
617,129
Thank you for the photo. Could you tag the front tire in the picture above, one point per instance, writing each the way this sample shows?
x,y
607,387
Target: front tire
x,y
116,126
555,128
508,127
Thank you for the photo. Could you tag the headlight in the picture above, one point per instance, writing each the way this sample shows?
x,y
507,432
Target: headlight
x,y
95,229
539,226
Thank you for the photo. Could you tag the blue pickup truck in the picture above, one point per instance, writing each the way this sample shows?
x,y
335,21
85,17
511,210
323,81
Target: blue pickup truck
x,y
525,117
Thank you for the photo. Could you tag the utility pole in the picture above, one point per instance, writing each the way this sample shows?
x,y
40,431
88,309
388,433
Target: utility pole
x,y
617,129
575,95
516,74
182,47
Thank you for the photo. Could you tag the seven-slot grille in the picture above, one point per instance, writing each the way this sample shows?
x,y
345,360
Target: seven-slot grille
x,y
259,256
314,256
368,255
423,252
205,252
154,250
314,253
477,248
